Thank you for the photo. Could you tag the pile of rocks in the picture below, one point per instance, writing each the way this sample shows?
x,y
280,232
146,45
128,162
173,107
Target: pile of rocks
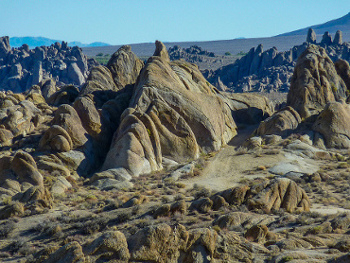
x,y
21,68
193,54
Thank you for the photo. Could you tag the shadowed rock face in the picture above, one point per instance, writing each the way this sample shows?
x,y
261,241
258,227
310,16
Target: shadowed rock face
x,y
284,121
4,46
173,112
315,83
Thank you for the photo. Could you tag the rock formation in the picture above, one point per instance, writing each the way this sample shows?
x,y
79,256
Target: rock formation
x,y
311,36
169,115
20,68
270,70
315,82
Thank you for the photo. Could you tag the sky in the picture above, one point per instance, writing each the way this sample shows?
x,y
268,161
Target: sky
x,y
141,21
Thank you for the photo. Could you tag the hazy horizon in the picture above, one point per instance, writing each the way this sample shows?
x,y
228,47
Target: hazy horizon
x,y
143,21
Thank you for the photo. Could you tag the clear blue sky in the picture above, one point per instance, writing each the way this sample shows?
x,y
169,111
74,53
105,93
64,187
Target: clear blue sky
x,y
136,21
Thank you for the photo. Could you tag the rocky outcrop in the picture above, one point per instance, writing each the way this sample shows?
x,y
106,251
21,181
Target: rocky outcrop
x,y
280,193
20,68
334,124
315,83
281,123
174,112
125,67
270,70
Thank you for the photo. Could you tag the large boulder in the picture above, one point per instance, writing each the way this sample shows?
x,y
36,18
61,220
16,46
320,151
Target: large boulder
x,y
125,66
173,112
88,114
159,243
281,123
24,166
280,193
110,245
57,139
315,83
334,124
67,117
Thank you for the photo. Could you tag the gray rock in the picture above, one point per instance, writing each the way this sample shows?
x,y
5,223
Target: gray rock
x,y
75,75
5,47
338,38
326,39
183,171
60,186
109,184
311,36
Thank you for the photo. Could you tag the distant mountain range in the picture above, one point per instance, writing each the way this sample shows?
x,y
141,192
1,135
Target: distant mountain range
x,y
43,41
332,26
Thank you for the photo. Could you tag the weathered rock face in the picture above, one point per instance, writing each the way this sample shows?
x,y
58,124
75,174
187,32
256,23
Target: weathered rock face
x,y
315,83
173,112
280,193
125,67
343,70
284,121
68,118
334,124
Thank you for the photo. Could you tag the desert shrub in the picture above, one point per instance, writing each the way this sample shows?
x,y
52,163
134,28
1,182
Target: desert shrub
x,y
20,247
200,191
93,226
6,228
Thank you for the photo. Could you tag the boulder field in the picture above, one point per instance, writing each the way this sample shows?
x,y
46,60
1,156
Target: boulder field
x,y
112,157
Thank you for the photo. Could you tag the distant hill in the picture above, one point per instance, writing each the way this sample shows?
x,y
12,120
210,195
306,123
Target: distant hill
x,y
43,41
332,26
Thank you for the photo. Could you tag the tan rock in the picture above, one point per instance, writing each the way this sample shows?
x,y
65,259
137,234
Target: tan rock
x,y
57,139
68,119
334,124
315,82
125,67
6,137
70,253
174,112
25,168
280,193
89,115
281,123
159,243
108,246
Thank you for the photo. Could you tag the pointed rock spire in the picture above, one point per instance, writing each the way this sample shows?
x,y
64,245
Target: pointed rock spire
x,y
161,51
4,46
338,38
311,36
